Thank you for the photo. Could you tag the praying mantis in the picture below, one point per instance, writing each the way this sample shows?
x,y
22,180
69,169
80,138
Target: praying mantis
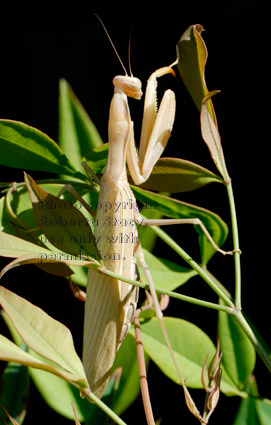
x,y
111,303
114,300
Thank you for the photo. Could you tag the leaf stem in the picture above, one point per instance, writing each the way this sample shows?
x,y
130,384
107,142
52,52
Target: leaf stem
x,y
93,399
81,184
172,294
235,237
201,272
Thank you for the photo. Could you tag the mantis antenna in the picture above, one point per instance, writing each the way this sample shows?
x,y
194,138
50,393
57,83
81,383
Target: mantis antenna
x,y
112,44
129,54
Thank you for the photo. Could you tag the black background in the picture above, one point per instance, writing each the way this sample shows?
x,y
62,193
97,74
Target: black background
x,y
35,57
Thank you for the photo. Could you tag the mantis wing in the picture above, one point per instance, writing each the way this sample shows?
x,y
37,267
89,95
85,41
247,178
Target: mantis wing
x,y
110,303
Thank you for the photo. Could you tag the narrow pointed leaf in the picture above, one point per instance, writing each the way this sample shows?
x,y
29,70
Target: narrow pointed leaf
x,y
14,391
77,133
5,224
253,409
175,175
11,352
22,146
43,334
239,355
18,209
51,258
38,365
64,225
211,136
192,57
29,253
181,175
14,247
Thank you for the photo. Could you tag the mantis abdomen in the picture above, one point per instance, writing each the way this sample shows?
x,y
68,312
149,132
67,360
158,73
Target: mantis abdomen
x,y
110,303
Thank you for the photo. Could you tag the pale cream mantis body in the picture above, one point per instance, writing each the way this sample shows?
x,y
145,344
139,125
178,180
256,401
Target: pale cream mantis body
x,y
110,303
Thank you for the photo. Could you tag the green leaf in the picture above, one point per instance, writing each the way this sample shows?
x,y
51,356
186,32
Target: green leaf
x,y
22,146
192,57
14,247
178,175
14,391
165,274
20,204
28,253
64,225
43,334
190,346
18,210
80,275
182,175
50,258
239,355
211,136
77,133
5,224
253,410
174,208
60,395
57,393
96,159
11,352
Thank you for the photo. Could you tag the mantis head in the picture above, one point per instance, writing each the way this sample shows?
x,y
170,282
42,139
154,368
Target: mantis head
x,y
131,86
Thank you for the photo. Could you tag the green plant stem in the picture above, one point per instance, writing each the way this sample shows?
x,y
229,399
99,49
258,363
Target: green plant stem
x,y
77,183
194,265
172,294
235,237
92,398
